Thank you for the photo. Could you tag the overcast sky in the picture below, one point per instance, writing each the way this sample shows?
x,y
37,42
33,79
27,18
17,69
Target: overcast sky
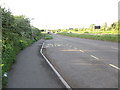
x,y
55,14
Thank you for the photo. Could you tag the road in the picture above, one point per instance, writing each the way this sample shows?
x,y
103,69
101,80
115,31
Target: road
x,y
32,71
84,63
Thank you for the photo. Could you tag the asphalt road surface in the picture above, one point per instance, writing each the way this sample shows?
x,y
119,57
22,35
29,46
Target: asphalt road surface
x,y
84,63
32,71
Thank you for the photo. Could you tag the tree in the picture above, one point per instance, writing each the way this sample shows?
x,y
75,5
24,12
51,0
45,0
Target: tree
x,y
114,25
22,26
104,26
91,27
7,22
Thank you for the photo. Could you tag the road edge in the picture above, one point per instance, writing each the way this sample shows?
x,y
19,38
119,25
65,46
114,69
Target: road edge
x,y
56,72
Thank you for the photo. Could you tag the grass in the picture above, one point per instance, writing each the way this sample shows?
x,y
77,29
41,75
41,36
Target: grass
x,y
47,36
93,31
104,37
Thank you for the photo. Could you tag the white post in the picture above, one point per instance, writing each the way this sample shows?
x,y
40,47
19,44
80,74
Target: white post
x,y
46,29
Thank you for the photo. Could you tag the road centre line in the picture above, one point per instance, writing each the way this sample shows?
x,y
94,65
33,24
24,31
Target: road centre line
x,y
114,66
94,57
109,64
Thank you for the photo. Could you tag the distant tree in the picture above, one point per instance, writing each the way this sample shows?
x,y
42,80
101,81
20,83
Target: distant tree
x,y
114,25
104,27
59,30
91,27
75,29
81,29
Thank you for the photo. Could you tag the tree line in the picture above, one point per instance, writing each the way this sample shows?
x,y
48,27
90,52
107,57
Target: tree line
x,y
114,28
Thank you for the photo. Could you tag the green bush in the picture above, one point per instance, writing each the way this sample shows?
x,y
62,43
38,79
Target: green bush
x,y
16,35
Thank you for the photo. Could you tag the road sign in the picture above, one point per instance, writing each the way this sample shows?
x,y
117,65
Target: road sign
x,y
97,27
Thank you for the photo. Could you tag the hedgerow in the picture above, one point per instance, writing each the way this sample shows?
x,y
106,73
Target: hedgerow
x,y
17,33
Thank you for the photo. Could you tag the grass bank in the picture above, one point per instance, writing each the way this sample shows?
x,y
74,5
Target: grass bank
x,y
105,37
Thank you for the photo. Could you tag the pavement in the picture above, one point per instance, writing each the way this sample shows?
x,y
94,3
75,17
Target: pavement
x,y
84,63
32,71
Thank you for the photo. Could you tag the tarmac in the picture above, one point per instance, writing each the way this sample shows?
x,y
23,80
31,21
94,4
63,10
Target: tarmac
x,y
32,71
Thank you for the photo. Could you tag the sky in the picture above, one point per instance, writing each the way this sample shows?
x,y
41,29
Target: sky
x,y
63,14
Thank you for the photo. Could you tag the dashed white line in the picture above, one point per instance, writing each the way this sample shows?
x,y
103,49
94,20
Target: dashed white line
x,y
81,50
94,57
114,66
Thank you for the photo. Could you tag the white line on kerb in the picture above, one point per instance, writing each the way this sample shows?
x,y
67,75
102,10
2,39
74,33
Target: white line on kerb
x,y
94,57
114,66
58,74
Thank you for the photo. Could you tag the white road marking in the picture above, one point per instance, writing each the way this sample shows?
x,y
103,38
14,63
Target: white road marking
x,y
49,45
58,45
72,50
94,57
81,50
58,74
114,66
75,48
114,48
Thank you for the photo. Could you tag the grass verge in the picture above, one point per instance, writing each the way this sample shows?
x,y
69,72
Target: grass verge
x,y
47,36
106,37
